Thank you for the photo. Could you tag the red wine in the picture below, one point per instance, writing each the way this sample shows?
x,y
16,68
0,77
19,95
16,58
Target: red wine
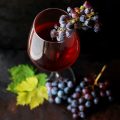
x,y
52,55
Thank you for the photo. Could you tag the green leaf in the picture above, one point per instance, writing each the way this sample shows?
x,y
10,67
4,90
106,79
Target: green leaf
x,y
42,79
27,85
18,74
21,72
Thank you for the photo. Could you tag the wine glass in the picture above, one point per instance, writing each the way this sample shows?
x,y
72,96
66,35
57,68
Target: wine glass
x,y
54,56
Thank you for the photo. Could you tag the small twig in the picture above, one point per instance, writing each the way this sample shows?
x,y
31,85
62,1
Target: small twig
x,y
100,74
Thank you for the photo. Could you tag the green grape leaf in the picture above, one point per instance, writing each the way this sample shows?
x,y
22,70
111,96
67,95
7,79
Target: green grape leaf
x,y
38,97
27,85
42,79
18,74
21,72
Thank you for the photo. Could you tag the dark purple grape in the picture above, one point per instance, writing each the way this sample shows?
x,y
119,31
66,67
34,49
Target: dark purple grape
x,y
76,95
82,114
88,104
69,107
85,90
110,98
75,116
82,84
73,110
87,11
68,33
70,26
87,96
81,100
81,108
108,92
53,33
51,100
96,100
63,18
74,103
78,89
82,18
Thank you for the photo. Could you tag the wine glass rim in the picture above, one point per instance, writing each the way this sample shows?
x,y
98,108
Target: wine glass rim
x,y
38,16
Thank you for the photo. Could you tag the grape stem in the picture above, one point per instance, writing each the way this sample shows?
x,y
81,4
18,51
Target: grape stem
x,y
100,74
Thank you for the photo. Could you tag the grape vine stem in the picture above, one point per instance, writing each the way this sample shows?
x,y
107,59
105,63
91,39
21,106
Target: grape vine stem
x,y
100,74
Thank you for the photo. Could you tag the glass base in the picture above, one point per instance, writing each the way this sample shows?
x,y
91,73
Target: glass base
x,y
66,74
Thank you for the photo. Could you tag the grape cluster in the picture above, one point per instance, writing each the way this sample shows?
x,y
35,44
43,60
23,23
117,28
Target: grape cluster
x,y
86,96
58,91
78,18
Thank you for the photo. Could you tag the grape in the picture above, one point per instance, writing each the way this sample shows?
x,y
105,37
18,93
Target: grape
x,y
66,90
61,36
70,84
82,114
88,104
75,115
87,11
88,96
108,92
63,17
95,18
58,100
85,90
75,15
76,95
82,18
61,85
60,93
93,93
87,4
81,100
54,90
81,107
82,84
110,98
96,100
68,33
69,25
96,27
77,89
54,84
69,100
73,110
48,84
51,100
74,103
69,107
69,9
53,33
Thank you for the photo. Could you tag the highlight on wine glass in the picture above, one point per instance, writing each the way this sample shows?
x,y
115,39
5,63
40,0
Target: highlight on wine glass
x,y
54,44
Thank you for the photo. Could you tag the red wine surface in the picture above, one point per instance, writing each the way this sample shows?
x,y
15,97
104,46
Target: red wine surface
x,y
52,55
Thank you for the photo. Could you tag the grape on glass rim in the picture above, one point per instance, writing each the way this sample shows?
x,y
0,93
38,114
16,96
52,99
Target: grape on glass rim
x,y
77,18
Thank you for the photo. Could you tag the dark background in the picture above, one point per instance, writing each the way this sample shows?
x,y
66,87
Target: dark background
x,y
16,17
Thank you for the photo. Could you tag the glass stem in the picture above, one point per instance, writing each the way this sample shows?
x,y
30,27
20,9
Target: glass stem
x,y
54,76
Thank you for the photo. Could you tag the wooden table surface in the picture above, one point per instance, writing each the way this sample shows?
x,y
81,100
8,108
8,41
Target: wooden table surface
x,y
47,111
